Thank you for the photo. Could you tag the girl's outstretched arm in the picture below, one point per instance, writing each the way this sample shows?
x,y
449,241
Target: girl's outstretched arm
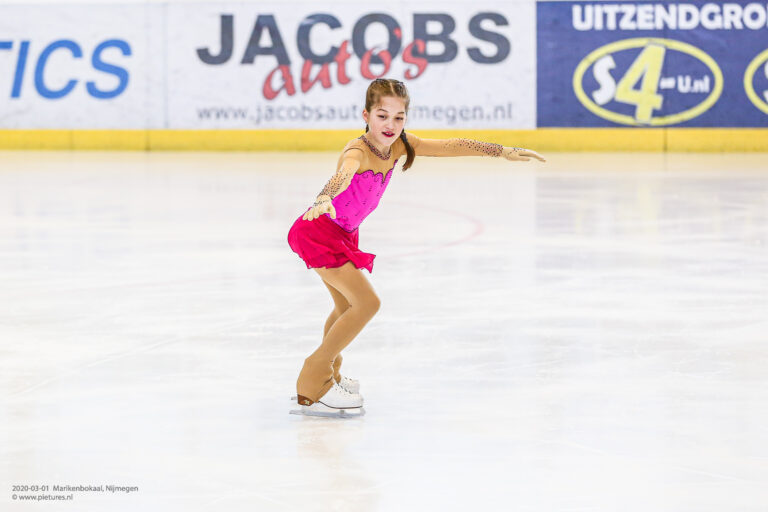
x,y
467,147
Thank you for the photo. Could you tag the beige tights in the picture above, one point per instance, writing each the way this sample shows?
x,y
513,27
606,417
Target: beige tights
x,y
355,303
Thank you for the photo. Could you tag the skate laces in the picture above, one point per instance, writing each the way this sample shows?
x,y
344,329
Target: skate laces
x,y
343,390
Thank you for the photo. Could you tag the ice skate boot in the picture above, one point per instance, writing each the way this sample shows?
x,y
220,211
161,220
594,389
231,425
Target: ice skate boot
x,y
351,385
335,403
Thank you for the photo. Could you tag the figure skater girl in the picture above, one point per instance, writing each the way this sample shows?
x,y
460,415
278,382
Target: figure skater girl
x,y
326,235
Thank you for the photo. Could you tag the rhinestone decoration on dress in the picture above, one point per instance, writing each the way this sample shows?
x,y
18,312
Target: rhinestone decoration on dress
x,y
376,151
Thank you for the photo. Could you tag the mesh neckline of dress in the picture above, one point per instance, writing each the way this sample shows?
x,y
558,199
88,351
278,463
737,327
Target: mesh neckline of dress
x,y
376,151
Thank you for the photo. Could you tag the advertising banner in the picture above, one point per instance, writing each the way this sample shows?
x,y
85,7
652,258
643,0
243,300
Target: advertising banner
x,y
303,65
652,64
80,66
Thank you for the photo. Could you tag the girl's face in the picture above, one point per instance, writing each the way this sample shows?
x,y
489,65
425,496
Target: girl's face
x,y
386,120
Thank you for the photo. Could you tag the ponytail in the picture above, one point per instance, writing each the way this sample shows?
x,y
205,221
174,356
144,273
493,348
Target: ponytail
x,y
408,149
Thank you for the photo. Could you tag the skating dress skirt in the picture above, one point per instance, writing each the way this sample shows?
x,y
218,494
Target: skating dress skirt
x,y
330,243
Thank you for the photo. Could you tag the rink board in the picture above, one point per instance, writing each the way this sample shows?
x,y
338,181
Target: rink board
x,y
543,139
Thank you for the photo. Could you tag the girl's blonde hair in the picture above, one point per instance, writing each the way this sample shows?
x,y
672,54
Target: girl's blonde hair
x,y
389,87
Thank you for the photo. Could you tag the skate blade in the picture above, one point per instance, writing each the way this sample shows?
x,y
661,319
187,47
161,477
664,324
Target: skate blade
x,y
328,412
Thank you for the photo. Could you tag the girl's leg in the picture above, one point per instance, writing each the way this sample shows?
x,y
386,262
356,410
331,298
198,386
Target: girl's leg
x,y
340,306
337,368
316,377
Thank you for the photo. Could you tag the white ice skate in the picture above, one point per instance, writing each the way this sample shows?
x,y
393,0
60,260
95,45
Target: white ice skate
x,y
351,385
337,402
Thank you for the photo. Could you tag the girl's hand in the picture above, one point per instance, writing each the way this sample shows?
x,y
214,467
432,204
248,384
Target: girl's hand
x,y
520,154
320,207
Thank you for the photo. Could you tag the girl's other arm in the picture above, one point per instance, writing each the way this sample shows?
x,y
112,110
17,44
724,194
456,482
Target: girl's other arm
x,y
335,186
453,147
467,147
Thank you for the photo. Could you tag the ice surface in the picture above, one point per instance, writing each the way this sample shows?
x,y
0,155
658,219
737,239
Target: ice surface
x,y
589,334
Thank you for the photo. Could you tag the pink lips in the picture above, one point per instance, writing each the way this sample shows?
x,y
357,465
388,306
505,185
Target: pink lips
x,y
388,135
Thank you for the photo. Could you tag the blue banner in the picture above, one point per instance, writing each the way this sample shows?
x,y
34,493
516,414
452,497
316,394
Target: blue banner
x,y
652,64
